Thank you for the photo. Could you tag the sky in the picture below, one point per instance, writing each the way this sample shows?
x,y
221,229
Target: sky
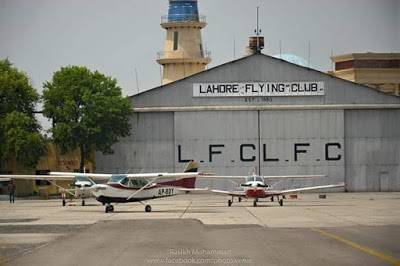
x,y
122,37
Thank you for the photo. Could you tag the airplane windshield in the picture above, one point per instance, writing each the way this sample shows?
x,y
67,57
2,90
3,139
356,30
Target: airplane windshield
x,y
250,179
259,178
81,178
124,181
116,178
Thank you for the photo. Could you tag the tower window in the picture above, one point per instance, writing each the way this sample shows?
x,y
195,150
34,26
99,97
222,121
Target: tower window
x,y
175,40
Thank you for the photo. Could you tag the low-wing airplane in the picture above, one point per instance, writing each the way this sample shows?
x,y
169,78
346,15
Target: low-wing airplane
x,y
81,184
256,188
124,188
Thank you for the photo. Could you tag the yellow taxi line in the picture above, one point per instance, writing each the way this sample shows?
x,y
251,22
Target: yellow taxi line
x,y
367,250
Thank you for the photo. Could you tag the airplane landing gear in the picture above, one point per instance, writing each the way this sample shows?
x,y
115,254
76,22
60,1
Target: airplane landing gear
x,y
229,203
255,203
64,202
281,202
272,199
240,199
109,208
147,208
83,202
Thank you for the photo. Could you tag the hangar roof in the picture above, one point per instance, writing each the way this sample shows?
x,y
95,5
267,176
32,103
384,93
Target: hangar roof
x,y
262,68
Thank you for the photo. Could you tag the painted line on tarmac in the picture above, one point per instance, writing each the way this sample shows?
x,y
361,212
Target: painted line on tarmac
x,y
370,251
187,207
256,217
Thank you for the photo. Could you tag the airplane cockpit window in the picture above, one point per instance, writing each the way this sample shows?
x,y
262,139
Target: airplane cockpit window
x,y
124,181
116,178
250,179
259,178
138,182
81,178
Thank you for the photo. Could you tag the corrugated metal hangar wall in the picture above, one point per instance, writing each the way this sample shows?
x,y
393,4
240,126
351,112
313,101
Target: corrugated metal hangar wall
x,y
350,133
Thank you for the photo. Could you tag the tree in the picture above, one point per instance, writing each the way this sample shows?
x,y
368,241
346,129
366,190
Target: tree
x,y
20,138
87,109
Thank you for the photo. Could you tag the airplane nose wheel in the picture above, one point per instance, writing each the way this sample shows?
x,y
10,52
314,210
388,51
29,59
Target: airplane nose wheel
x,y
109,208
63,202
83,202
281,202
255,203
147,208
229,203
240,199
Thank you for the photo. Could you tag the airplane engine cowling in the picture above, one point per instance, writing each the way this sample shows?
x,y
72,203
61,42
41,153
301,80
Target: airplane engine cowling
x,y
255,193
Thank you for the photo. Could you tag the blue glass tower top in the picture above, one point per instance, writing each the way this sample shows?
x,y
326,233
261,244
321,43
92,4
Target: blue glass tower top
x,y
183,10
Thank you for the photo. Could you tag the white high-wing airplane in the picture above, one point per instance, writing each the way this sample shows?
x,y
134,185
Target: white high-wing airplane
x,y
256,188
124,188
81,184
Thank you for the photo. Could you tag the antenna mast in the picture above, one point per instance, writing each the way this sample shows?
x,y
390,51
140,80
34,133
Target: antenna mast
x,y
256,43
258,32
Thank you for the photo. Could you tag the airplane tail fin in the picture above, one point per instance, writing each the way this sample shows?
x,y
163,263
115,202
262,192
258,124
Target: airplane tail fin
x,y
192,167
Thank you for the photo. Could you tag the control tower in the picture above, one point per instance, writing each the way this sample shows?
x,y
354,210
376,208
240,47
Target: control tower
x,y
183,53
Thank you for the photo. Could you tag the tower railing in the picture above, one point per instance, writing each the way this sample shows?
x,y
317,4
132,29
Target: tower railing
x,y
183,18
182,54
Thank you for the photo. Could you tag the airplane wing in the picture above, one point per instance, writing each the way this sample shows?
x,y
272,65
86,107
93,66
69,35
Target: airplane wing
x,y
229,193
50,178
194,190
265,177
159,176
223,176
310,188
90,175
293,176
38,177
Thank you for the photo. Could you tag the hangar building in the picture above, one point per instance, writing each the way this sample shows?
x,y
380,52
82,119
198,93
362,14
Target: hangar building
x,y
259,111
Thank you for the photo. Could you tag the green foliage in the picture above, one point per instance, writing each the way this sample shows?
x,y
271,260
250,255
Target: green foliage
x,y
19,131
24,141
16,92
87,109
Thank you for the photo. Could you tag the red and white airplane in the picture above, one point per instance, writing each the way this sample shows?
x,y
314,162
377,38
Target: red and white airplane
x,y
124,188
255,187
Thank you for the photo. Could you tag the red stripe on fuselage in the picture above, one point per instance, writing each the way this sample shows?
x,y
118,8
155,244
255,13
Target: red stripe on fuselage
x,y
188,182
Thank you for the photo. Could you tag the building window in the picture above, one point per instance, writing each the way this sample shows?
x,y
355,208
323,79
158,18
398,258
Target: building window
x,y
175,40
201,50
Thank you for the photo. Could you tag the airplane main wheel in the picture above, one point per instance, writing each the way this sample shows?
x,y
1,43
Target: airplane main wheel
x,y
63,202
83,202
272,199
255,203
229,203
147,208
109,208
240,199
281,202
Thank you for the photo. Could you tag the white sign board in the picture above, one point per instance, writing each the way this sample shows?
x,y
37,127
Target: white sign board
x,y
254,89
